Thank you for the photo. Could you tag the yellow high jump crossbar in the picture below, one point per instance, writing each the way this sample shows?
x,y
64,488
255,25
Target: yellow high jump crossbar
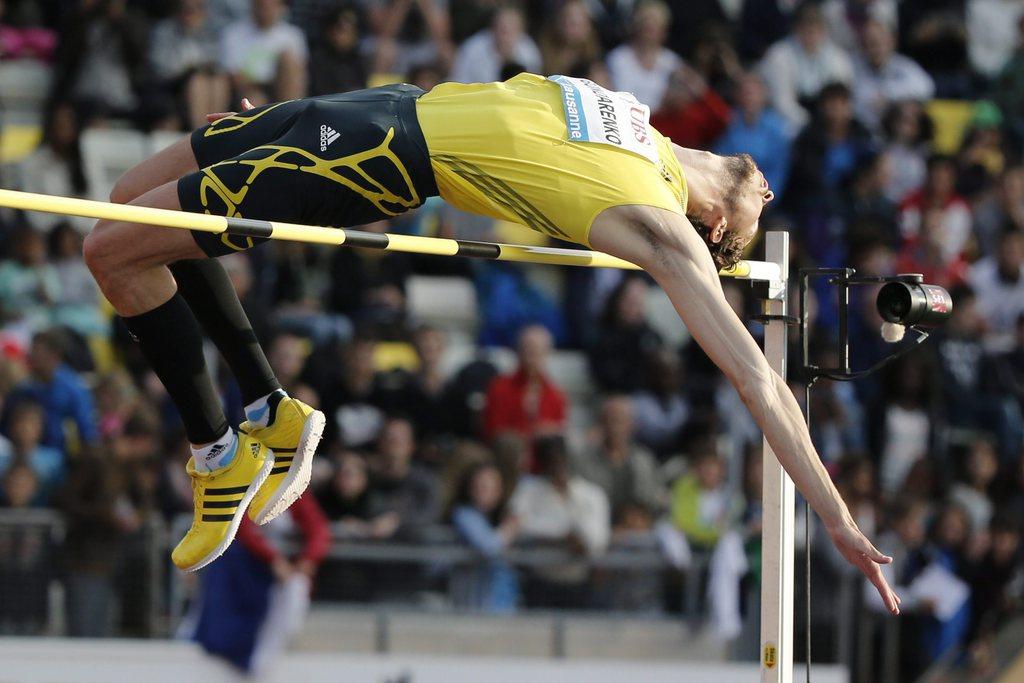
x,y
778,495
312,234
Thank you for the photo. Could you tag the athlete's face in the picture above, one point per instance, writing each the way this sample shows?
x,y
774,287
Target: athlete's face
x,y
735,224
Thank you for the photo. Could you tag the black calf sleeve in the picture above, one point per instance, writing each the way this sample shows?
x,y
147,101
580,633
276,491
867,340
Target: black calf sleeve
x,y
206,287
172,342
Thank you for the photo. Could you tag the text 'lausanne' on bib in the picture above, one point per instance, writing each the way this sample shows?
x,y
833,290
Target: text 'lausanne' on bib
x,y
595,114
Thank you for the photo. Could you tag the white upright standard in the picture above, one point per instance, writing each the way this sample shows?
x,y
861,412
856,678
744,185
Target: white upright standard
x,y
778,497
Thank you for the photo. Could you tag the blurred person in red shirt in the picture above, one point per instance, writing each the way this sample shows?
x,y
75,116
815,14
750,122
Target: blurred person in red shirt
x,y
526,402
939,192
926,252
691,113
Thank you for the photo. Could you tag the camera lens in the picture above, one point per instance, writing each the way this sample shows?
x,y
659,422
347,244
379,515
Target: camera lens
x,y
914,304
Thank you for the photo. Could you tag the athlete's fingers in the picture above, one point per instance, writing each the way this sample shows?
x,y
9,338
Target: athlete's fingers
x,y
877,556
246,104
211,118
877,579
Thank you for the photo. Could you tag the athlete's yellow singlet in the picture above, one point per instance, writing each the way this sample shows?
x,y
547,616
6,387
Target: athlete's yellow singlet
x,y
503,150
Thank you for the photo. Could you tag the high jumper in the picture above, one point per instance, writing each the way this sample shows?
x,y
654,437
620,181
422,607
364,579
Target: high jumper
x,y
563,156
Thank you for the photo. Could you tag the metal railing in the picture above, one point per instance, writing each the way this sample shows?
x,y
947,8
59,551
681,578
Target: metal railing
x,y
44,590
148,596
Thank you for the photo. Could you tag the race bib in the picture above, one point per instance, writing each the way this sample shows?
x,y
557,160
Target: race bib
x,y
594,114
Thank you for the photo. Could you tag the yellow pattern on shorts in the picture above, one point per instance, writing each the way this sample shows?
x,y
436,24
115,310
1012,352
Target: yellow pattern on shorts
x,y
239,120
501,150
302,161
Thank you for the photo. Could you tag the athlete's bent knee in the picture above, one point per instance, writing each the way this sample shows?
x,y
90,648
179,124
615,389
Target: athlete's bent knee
x,y
99,250
123,192
129,187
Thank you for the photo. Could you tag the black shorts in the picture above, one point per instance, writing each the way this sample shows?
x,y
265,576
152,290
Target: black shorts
x,y
337,160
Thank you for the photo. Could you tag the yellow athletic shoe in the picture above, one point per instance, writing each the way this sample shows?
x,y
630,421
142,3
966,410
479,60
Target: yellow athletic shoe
x,y
293,436
221,498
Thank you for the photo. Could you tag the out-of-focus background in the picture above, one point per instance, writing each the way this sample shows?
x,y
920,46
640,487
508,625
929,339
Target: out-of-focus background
x,y
530,468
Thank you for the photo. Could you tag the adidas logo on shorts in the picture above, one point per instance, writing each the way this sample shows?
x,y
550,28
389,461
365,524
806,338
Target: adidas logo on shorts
x,y
327,136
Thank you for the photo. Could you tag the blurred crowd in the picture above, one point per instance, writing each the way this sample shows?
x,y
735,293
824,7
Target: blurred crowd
x,y
892,135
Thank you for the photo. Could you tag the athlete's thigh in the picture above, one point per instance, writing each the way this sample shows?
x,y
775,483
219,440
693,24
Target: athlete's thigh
x,y
168,164
144,245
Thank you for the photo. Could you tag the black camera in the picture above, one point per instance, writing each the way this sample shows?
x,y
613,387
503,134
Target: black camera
x,y
911,303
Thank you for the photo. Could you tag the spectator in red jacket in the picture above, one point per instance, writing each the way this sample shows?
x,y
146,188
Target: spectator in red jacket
x,y
691,113
526,402
939,192
312,525
925,253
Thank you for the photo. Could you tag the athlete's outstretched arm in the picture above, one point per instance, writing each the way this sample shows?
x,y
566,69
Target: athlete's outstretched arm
x,y
666,246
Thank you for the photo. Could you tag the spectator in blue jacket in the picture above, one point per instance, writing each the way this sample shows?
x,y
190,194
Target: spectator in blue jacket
x,y
27,422
758,130
480,520
61,392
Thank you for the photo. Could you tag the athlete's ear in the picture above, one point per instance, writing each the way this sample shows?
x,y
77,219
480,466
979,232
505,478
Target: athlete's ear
x,y
718,230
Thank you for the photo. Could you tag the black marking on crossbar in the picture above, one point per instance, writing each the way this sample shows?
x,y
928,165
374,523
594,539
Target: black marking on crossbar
x,y
478,249
249,227
369,240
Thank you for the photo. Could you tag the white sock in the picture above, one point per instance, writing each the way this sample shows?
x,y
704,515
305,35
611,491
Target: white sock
x,y
260,411
218,454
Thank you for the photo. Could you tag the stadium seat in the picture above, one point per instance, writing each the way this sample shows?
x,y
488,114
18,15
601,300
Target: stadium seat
x,y
503,358
162,139
24,85
569,370
108,153
662,317
448,303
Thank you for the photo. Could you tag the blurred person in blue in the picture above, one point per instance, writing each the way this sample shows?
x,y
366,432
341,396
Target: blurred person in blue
x,y
61,392
254,600
24,431
825,156
758,130
482,521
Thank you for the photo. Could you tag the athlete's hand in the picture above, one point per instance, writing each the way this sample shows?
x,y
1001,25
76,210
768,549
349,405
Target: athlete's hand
x,y
246,106
859,552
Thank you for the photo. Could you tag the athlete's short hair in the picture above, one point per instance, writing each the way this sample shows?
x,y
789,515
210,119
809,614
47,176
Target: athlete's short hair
x,y
727,251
